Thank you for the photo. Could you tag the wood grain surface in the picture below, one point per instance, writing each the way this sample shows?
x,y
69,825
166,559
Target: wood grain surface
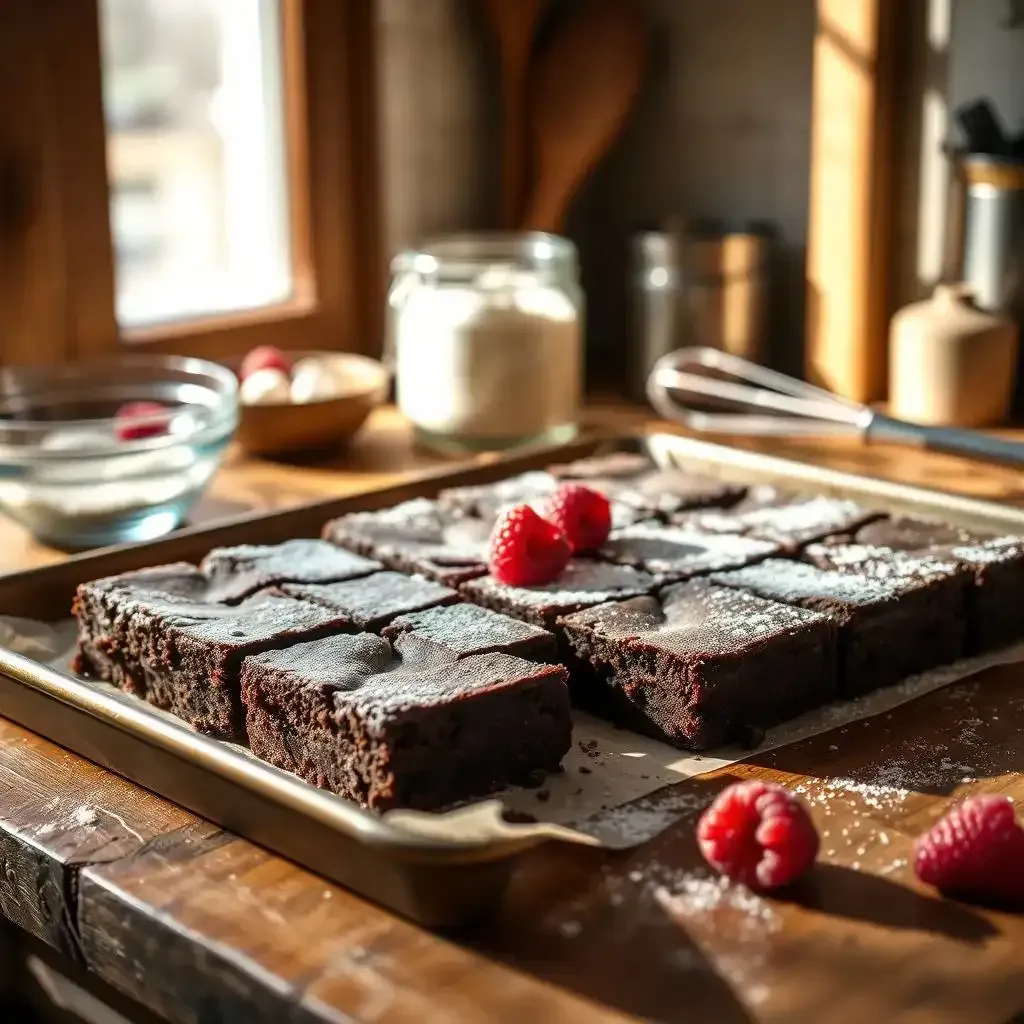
x,y
200,925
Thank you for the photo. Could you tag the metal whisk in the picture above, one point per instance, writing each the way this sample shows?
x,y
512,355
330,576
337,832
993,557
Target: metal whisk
x,y
710,390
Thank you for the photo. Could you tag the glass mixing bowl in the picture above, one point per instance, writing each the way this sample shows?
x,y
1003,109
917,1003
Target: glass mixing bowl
x,y
77,475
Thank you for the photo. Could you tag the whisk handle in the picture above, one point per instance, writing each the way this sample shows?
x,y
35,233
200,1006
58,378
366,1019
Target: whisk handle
x,y
970,443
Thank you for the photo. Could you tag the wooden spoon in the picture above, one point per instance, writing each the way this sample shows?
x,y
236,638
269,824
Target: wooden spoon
x,y
585,82
513,23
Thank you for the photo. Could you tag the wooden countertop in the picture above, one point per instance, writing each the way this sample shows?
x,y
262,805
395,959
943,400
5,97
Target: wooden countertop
x,y
200,925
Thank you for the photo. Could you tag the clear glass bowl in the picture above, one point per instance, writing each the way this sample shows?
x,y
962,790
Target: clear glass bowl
x,y
67,476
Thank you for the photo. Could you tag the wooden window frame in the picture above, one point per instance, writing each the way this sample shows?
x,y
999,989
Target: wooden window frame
x,y
851,234
57,297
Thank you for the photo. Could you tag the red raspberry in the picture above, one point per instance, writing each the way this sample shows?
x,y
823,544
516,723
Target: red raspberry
x,y
265,357
583,515
137,420
976,850
759,834
527,550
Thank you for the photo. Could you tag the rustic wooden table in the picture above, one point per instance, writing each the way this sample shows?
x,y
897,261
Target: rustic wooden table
x,y
199,925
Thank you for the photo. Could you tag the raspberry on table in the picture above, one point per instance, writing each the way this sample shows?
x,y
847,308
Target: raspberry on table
x,y
759,834
583,515
526,550
975,851
137,420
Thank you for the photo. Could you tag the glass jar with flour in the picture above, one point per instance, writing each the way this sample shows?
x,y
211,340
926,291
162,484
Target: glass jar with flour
x,y
485,336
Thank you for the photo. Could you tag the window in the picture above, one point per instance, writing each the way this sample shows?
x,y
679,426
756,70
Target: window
x,y
195,176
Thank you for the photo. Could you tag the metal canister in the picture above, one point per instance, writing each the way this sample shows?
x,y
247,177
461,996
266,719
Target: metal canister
x,y
698,287
993,239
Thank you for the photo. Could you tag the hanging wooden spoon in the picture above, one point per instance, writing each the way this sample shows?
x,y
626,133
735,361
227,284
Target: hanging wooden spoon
x,y
513,23
584,84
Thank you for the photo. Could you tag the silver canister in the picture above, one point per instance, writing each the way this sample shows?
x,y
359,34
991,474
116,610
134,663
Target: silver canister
x,y
993,255
694,287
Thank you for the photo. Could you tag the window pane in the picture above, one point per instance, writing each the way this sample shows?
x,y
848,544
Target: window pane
x,y
197,159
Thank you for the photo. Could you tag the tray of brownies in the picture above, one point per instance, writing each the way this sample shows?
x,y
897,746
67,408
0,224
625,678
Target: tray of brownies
x,y
405,690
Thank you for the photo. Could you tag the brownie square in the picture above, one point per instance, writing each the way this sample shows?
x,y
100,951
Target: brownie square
x,y
888,628
791,525
372,602
675,553
185,656
581,585
465,629
93,654
488,501
238,572
408,727
418,536
704,664
906,533
632,480
996,564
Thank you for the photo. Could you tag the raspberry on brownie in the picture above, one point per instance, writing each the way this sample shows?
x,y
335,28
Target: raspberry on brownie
x,y
411,726
702,664
888,628
372,602
238,572
418,536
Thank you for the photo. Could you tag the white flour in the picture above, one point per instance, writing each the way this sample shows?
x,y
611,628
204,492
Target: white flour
x,y
500,359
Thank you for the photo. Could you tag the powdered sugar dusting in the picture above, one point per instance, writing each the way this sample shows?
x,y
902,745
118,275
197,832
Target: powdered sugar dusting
x,y
708,905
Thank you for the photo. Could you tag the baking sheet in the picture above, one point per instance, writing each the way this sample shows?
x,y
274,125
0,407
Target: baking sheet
x,y
440,870
609,774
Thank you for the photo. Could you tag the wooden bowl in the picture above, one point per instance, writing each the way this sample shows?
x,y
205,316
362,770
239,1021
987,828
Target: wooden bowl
x,y
276,428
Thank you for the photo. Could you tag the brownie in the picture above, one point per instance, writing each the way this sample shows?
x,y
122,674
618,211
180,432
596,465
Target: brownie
x,y
703,664
996,564
238,572
632,480
410,726
465,629
888,628
372,602
184,655
487,501
582,584
179,579
675,553
905,533
791,525
419,536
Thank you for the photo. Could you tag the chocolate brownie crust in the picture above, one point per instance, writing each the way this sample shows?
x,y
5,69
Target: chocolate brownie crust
x,y
702,664
889,628
410,727
464,629
420,537
239,572
185,656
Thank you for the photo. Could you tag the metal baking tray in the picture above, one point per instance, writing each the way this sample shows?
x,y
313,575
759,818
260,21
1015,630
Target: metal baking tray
x,y
438,882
